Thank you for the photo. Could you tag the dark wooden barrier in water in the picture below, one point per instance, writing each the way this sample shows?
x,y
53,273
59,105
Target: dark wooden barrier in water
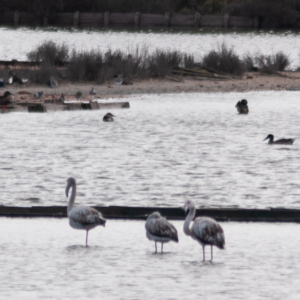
x,y
141,213
137,19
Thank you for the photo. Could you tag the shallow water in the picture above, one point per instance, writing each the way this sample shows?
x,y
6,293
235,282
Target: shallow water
x,y
17,42
45,258
162,151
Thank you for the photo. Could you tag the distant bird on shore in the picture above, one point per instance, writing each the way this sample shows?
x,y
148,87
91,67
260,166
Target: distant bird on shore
x,y
270,137
62,98
108,118
2,83
119,79
78,95
205,230
38,95
13,78
82,217
6,99
242,107
53,83
159,229
92,91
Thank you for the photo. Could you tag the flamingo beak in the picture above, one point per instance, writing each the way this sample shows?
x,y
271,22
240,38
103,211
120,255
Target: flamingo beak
x,y
67,191
186,209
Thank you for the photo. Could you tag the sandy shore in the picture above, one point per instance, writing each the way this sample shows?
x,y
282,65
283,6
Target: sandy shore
x,y
107,91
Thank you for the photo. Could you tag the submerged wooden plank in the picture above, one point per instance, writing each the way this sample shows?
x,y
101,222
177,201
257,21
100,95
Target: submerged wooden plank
x,y
46,107
37,108
74,106
125,212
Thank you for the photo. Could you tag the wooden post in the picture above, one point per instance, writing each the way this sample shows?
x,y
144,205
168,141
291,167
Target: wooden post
x,y
197,19
106,19
76,18
137,18
167,19
16,18
226,21
256,22
45,21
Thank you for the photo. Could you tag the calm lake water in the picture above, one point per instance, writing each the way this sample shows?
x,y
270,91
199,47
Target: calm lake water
x,y
46,258
16,42
162,151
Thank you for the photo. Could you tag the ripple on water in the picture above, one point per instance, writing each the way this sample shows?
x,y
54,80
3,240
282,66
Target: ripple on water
x,y
120,262
159,162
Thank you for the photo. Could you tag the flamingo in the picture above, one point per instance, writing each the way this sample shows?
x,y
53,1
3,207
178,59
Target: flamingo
x,y
82,217
204,229
160,230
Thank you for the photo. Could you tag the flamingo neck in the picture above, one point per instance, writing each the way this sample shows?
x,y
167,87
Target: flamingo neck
x,y
189,218
72,198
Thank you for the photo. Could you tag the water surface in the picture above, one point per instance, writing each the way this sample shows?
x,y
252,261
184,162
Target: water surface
x,y
162,151
45,258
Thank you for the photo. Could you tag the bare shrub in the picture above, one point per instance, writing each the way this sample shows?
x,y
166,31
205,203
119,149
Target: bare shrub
x,y
162,62
273,63
50,52
93,65
85,65
131,64
282,61
43,74
249,62
188,60
3,74
223,60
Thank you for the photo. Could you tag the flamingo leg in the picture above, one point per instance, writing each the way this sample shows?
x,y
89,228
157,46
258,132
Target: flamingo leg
x,y
211,253
155,248
162,245
203,253
86,239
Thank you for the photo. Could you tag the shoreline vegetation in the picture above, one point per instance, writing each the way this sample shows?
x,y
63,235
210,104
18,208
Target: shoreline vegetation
x,y
144,72
138,63
270,13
